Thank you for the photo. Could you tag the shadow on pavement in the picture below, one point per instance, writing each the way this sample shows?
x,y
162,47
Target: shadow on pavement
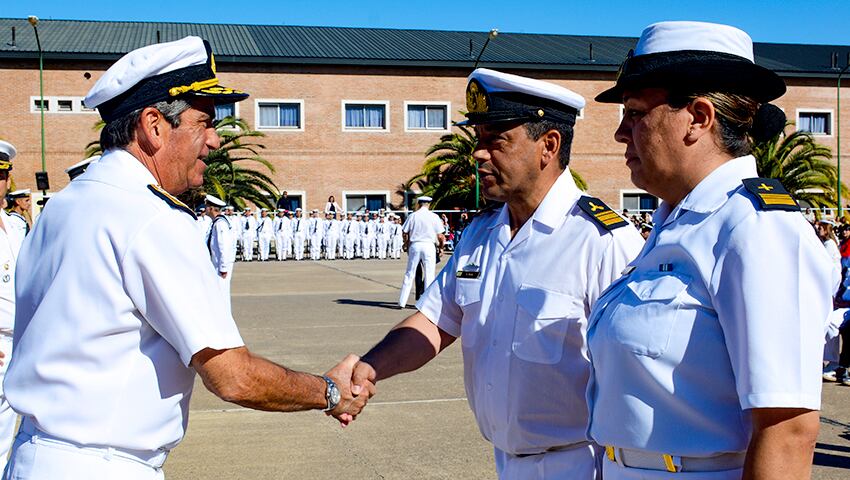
x,y
830,460
368,303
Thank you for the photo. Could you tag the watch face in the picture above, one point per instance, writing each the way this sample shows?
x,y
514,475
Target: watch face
x,y
335,397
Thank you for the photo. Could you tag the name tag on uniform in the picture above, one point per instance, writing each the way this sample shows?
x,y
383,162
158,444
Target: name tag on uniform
x,y
469,271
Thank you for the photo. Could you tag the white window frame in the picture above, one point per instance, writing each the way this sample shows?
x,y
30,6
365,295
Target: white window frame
x,y
301,118
429,103
236,109
633,191
53,105
385,103
346,193
298,193
831,113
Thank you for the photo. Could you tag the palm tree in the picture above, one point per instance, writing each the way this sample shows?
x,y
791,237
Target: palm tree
x,y
93,148
226,178
448,175
802,165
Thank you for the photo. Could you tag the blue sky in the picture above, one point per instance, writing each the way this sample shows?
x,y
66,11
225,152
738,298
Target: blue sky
x,y
782,21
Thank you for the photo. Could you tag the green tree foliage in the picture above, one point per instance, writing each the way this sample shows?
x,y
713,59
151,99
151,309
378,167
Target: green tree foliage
x,y
803,166
448,175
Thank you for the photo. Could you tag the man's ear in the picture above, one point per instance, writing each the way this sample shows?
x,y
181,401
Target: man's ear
x,y
703,118
152,131
551,144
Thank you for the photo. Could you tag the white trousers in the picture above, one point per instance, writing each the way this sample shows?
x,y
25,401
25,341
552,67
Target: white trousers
x,y
330,248
382,246
316,247
298,243
581,463
419,252
7,415
248,247
396,247
36,458
265,244
350,241
224,283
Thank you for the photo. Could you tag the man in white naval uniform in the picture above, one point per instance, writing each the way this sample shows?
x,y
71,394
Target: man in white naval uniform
x,y
383,237
20,209
315,230
220,245
282,236
345,219
396,238
520,286
422,234
249,234
126,294
331,236
10,244
265,232
299,233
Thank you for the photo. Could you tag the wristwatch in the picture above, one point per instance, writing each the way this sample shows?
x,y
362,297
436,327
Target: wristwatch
x,y
331,394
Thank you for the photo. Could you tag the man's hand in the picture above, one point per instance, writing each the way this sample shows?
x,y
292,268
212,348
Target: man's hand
x,y
362,375
352,398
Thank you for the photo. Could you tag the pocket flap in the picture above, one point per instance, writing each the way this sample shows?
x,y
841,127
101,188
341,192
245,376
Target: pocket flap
x,y
663,286
543,303
467,291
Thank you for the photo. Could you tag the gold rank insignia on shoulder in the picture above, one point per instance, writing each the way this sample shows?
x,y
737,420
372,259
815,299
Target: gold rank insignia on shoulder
x,y
771,194
601,213
171,200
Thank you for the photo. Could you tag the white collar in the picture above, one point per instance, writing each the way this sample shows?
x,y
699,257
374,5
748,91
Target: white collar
x,y
559,200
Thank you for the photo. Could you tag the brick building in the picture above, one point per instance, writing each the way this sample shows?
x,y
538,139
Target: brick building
x,y
350,112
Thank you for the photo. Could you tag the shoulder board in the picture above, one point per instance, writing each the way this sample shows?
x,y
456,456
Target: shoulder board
x,y
171,200
601,213
771,194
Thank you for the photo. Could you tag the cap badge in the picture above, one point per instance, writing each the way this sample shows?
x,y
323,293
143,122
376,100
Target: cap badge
x,y
476,99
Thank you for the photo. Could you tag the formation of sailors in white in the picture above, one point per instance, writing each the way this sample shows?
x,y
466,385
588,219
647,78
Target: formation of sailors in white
x,y
318,236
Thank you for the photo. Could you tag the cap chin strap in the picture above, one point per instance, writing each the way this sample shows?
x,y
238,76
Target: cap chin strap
x,y
174,91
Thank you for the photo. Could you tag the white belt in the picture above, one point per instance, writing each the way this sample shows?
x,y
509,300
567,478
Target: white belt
x,y
154,459
673,464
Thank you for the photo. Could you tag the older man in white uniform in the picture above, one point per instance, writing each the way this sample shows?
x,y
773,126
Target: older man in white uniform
x,y
520,286
10,244
220,245
422,234
126,294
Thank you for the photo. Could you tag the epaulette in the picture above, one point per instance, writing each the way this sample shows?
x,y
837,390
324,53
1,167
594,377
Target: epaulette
x,y
171,200
771,194
601,213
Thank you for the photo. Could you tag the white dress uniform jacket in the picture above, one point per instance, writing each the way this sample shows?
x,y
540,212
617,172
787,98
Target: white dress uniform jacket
x,y
520,308
121,282
723,311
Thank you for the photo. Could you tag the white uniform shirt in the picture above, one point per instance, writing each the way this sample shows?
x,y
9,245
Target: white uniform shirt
x,y
220,245
522,321
299,226
111,307
204,223
724,311
18,222
423,225
11,239
265,228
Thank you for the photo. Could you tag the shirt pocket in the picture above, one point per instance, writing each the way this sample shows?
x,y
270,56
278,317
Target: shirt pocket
x,y
643,320
468,298
543,320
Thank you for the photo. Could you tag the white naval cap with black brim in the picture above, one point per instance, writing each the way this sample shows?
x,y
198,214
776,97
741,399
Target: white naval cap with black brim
x,y
156,73
7,153
496,97
695,57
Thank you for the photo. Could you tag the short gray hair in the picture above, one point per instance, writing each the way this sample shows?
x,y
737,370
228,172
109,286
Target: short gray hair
x,y
536,129
120,132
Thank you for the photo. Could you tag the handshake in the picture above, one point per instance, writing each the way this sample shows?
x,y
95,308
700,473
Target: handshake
x,y
355,380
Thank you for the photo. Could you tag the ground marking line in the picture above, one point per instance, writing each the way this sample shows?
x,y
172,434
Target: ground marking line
x,y
371,404
306,327
363,277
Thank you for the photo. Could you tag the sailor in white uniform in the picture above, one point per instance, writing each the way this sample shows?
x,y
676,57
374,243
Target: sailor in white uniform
x,y
11,238
706,353
126,294
20,209
249,234
265,233
220,245
299,234
521,284
423,234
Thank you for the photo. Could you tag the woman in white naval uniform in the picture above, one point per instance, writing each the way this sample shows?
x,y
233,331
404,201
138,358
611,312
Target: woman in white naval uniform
x,y
706,353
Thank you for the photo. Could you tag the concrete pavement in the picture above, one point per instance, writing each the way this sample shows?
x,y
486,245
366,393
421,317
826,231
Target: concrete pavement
x,y
309,315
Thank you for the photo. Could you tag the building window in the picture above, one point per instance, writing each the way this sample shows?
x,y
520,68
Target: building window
x,y
636,202
365,116
282,114
816,122
225,110
54,104
427,116
358,202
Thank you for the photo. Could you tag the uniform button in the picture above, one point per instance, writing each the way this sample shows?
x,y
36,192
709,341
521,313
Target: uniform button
x,y
489,386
